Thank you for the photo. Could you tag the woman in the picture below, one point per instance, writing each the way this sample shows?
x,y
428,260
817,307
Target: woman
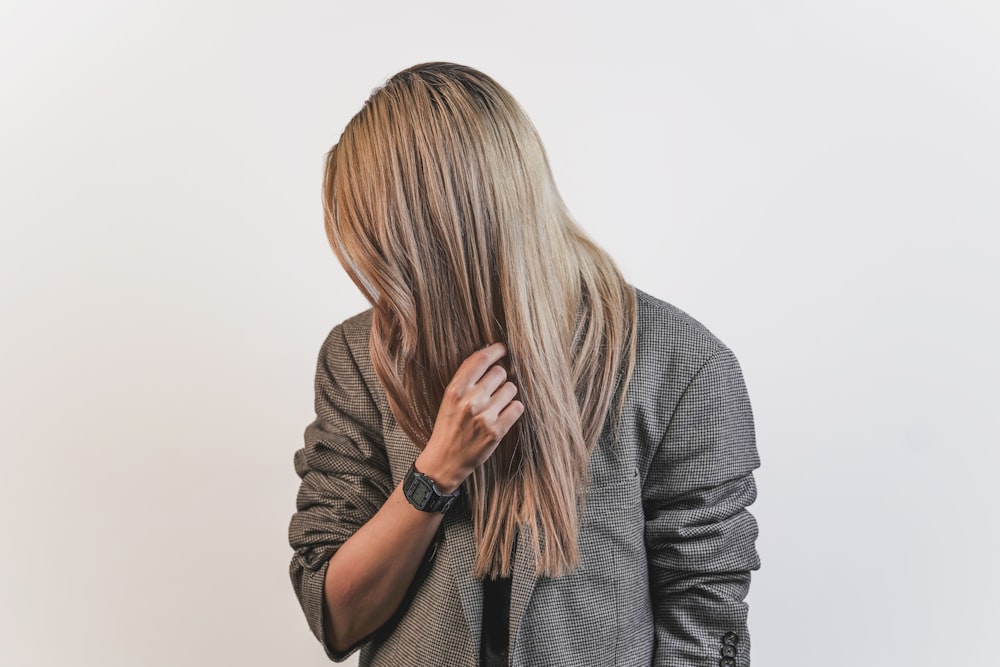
x,y
517,457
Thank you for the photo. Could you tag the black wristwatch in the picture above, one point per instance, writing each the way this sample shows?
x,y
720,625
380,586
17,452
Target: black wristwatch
x,y
423,494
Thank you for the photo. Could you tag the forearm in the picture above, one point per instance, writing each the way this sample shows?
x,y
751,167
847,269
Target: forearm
x,y
371,572
369,575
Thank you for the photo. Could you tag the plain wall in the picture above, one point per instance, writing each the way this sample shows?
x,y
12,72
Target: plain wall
x,y
817,183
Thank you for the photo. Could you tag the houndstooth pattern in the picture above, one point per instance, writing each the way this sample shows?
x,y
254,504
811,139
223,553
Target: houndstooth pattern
x,y
667,544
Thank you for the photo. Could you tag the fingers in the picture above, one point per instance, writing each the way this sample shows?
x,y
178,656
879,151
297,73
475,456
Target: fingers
x,y
500,401
502,396
476,364
481,389
500,414
509,415
493,379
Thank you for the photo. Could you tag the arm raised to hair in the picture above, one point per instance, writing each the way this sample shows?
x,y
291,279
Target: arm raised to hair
x,y
358,542
700,538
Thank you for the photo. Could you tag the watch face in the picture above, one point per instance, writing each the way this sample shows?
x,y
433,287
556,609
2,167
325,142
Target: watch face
x,y
419,489
421,492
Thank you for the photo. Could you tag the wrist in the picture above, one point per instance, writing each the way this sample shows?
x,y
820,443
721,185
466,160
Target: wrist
x,y
445,477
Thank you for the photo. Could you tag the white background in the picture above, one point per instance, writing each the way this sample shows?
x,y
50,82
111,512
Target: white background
x,y
817,183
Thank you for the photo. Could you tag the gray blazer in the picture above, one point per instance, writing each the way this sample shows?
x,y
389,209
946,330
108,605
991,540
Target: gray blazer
x,y
667,544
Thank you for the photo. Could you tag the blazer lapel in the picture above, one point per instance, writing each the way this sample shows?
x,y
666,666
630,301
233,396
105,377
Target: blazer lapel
x,y
461,548
522,585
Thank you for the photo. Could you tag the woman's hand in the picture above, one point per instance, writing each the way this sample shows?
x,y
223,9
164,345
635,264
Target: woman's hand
x,y
476,412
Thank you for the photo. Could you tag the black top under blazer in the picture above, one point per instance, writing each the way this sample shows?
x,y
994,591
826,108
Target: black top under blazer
x,y
666,541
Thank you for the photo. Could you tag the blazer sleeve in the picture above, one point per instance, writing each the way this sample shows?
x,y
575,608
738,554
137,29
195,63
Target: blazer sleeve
x,y
345,477
700,538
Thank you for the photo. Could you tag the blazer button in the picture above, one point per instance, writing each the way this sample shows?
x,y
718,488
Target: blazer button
x,y
730,638
727,662
728,651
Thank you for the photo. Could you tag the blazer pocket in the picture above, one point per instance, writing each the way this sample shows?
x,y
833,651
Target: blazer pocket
x,y
613,560
612,517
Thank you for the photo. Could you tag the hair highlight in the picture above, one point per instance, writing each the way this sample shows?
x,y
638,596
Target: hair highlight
x,y
440,204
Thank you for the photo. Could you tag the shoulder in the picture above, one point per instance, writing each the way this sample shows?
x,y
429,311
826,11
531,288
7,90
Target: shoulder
x,y
345,350
672,349
357,329
351,335
670,339
677,355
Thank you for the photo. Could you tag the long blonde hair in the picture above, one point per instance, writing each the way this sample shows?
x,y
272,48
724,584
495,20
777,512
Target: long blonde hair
x,y
440,204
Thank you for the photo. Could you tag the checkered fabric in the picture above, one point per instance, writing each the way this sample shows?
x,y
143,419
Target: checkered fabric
x,y
667,544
